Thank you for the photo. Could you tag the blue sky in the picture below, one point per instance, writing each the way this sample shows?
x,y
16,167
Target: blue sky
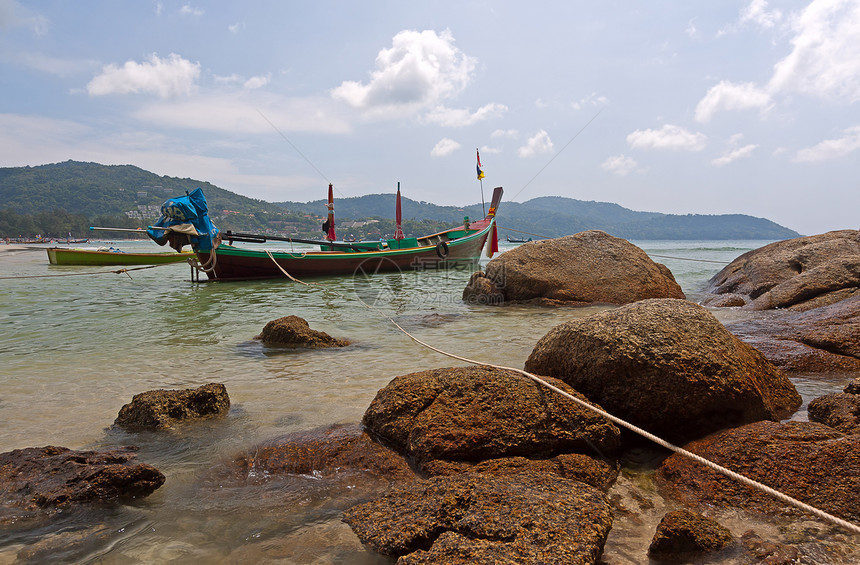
x,y
746,106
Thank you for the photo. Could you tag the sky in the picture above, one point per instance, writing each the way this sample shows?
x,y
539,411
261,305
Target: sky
x,y
730,107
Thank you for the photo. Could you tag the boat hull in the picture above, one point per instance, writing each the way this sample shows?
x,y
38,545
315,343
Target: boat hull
x,y
233,263
63,256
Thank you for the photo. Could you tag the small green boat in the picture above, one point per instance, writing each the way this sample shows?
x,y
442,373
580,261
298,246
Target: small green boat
x,y
79,256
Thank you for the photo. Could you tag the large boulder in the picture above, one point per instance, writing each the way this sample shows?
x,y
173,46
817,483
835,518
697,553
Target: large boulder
x,y
667,366
477,413
590,267
820,340
47,478
805,460
293,331
798,274
163,409
475,518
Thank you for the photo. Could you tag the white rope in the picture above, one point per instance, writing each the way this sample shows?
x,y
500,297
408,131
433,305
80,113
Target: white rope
x,y
681,451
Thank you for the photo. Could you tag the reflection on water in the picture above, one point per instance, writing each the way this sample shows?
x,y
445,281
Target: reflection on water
x,y
75,349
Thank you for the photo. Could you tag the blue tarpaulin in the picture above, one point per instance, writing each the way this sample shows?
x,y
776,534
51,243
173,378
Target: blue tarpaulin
x,y
185,220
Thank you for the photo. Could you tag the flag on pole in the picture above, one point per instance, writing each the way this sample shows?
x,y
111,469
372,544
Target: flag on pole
x,y
480,170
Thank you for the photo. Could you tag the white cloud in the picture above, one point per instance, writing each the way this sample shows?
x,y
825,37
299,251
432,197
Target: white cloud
x,y
451,117
168,77
730,96
258,81
825,60
734,155
418,71
508,133
538,143
236,28
832,148
189,10
667,137
620,165
444,148
592,99
757,13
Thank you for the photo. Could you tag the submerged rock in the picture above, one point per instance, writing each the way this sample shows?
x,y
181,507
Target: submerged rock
x,y
768,552
590,267
57,477
820,340
324,453
293,331
683,532
475,518
805,460
667,366
162,409
797,274
470,414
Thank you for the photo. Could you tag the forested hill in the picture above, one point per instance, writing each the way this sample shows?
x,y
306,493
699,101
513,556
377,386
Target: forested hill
x,y
554,216
90,190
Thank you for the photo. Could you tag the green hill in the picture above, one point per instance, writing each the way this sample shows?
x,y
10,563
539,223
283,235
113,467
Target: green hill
x,y
68,197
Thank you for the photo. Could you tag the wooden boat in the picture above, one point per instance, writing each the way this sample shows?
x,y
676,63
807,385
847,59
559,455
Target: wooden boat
x,y
221,261
518,240
73,256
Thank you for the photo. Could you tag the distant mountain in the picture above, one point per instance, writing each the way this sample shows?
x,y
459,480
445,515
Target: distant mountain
x,y
554,216
90,190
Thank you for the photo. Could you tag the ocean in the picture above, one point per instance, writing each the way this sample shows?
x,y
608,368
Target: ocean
x,y
78,342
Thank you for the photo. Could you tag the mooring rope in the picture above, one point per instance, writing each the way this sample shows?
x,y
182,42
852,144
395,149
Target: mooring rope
x,y
116,272
659,441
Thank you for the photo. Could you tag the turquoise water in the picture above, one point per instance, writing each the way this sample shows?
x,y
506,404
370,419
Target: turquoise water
x,y
75,348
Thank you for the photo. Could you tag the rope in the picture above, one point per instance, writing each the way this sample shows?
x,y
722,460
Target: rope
x,y
116,272
681,451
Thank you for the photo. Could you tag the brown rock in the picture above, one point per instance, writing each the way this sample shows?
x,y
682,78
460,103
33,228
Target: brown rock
x,y
853,387
840,411
162,409
57,477
667,366
293,331
805,460
591,267
820,340
683,531
798,274
473,518
324,452
477,413
576,466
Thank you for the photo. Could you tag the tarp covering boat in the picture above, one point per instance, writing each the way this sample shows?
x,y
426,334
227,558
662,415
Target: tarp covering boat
x,y
185,220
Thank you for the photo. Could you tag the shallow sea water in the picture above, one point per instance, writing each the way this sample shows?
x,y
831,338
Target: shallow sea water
x,y
75,348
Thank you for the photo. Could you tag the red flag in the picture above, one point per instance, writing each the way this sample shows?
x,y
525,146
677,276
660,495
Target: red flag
x,y
330,236
398,232
480,169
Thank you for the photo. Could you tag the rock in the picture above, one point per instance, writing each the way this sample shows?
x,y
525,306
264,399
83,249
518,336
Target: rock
x,y
824,339
667,366
768,552
798,274
324,452
683,531
840,411
853,387
162,409
293,331
57,477
576,466
805,460
477,413
591,267
474,518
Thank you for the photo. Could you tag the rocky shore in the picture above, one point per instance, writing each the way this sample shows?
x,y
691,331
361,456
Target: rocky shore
x,y
480,464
